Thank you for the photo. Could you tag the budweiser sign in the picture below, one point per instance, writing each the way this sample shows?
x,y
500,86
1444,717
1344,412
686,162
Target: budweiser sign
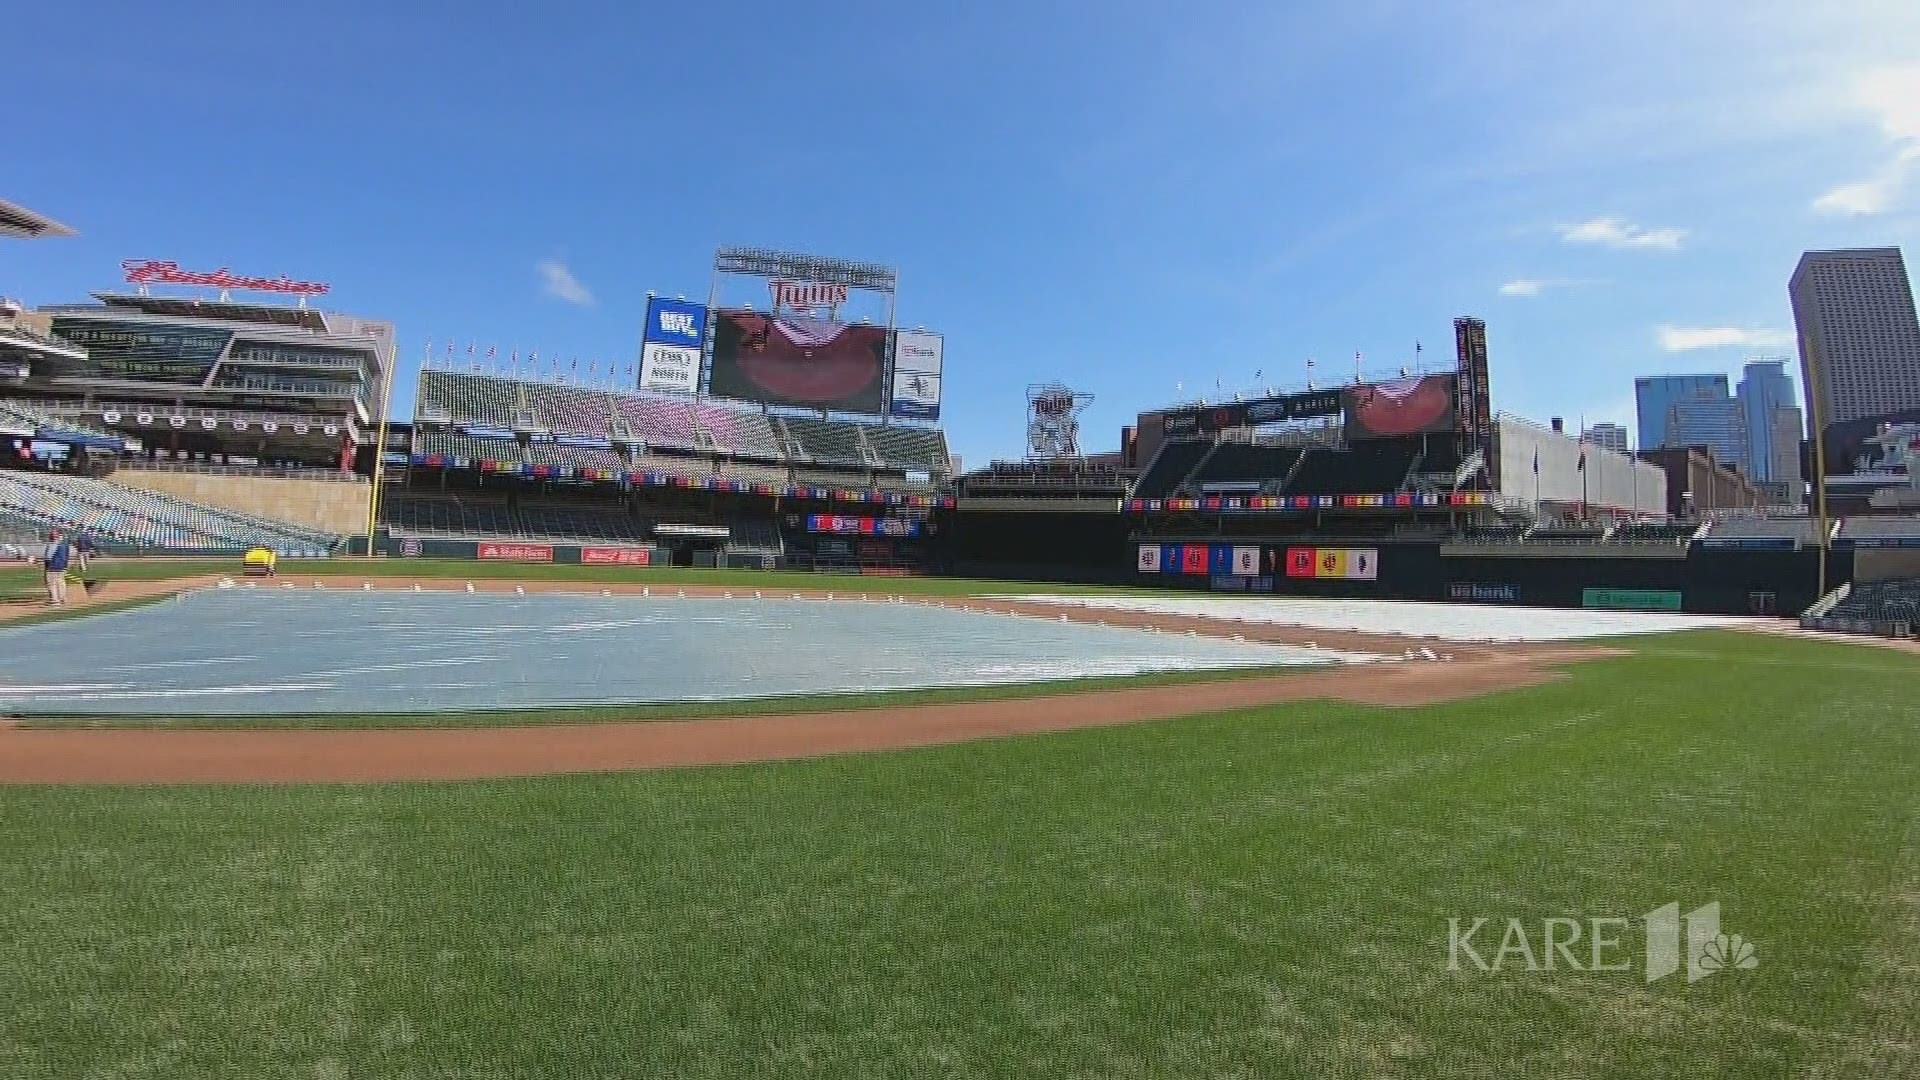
x,y
807,296
616,556
149,272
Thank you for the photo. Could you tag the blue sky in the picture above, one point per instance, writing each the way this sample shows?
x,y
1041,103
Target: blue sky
x,y
1136,201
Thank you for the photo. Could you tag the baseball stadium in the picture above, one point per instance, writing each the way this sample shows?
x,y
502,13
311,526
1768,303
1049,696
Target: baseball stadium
x,y
700,715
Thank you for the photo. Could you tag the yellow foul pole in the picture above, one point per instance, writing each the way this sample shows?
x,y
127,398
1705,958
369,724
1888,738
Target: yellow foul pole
x,y
380,446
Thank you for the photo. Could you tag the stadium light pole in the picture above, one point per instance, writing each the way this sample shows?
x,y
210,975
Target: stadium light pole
x,y
380,445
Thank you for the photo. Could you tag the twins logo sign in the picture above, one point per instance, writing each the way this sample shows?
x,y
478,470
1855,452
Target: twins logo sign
x,y
806,297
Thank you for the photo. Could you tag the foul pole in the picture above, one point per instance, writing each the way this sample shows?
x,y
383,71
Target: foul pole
x,y
380,446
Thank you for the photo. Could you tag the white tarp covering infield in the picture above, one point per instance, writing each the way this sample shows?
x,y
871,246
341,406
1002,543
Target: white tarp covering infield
x,y
274,651
1447,622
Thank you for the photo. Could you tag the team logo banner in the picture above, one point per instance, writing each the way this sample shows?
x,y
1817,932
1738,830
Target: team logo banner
x,y
1149,558
670,369
1339,564
918,358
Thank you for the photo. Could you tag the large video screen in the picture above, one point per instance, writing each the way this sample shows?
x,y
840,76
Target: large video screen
x,y
794,360
1418,405
1870,444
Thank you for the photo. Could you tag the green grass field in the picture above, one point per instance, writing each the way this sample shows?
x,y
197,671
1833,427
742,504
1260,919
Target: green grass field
x,y
1256,894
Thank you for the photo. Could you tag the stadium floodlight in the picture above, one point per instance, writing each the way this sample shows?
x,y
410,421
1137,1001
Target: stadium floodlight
x,y
760,262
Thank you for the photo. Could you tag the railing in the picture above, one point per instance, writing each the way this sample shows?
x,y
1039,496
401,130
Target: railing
x,y
1106,483
162,413
278,472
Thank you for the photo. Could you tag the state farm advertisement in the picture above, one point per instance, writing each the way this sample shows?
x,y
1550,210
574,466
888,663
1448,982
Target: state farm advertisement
x,y
516,553
617,556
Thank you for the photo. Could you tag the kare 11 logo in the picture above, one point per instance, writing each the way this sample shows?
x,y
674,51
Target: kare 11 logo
x,y
1670,942
676,322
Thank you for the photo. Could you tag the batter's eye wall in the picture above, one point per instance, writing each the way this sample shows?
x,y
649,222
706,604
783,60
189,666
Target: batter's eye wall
x,y
1708,581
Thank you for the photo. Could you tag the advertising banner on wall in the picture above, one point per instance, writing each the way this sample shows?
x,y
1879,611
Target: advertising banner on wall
x,y
1419,405
676,322
669,369
1338,564
1480,592
796,360
616,556
1631,599
1149,558
1210,418
515,553
918,359
849,525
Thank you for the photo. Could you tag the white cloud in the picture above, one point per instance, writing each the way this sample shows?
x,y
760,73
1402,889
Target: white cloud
x,y
1892,96
1686,339
1535,286
1624,235
561,284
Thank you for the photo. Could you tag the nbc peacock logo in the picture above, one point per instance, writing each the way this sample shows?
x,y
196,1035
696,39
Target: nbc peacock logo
x,y
1694,940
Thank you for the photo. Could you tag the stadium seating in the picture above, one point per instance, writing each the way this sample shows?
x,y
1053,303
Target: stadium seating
x,y
826,441
483,400
33,416
1363,467
738,431
829,477
1240,463
1653,535
1862,528
573,457
1170,466
466,447
909,448
753,472
671,430
450,517
1896,601
1565,533
660,421
1805,530
135,521
1493,534
754,536
571,410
